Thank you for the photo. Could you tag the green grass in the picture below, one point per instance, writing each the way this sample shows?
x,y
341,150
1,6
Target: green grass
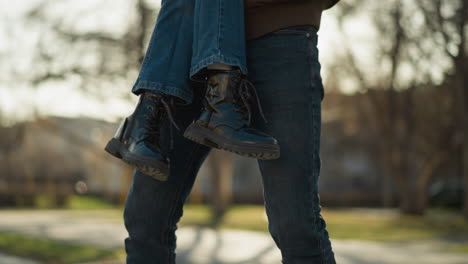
x,y
74,202
77,202
240,217
198,215
460,248
374,225
248,217
436,224
348,224
53,252
377,225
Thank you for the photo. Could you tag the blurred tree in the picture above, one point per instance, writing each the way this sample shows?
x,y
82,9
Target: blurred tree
x,y
98,60
415,64
10,138
220,164
101,59
447,22
104,62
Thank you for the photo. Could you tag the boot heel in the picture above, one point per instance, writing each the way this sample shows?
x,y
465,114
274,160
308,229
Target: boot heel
x,y
113,148
208,138
195,133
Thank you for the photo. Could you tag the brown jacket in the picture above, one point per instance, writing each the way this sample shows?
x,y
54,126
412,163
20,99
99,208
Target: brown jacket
x,y
264,16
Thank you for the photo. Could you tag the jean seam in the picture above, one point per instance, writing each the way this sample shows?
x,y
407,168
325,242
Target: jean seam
x,y
315,176
176,40
159,86
217,58
220,23
314,141
290,33
316,113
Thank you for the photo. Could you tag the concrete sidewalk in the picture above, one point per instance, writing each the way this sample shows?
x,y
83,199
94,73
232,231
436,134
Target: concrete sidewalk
x,y
207,246
5,259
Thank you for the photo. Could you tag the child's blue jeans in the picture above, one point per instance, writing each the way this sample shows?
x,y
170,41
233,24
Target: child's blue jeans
x,y
190,35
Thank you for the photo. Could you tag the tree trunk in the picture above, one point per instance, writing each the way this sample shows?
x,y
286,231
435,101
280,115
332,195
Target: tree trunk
x,y
421,199
387,181
463,113
390,149
221,167
127,174
462,96
142,27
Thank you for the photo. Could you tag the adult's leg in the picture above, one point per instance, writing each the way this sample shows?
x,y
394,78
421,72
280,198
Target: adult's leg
x,y
153,208
285,69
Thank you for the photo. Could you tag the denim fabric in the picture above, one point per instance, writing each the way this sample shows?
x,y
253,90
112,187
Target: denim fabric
x,y
285,70
190,35
219,35
153,208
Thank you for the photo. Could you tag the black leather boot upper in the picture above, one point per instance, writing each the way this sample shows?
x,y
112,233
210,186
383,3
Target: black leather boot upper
x,y
137,140
230,102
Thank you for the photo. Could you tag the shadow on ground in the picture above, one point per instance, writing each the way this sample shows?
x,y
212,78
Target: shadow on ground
x,y
207,246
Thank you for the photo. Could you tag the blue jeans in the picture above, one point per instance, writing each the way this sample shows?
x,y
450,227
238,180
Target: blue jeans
x,y
190,35
285,70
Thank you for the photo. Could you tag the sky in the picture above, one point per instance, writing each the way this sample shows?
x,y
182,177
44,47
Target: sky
x,y
18,102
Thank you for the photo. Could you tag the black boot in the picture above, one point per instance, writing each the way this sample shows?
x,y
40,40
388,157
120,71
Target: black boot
x,y
137,139
226,120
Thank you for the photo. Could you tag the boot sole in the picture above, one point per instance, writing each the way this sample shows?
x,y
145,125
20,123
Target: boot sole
x,y
154,168
208,138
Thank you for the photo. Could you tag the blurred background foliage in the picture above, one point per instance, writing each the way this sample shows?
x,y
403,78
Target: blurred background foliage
x,y
394,135
395,114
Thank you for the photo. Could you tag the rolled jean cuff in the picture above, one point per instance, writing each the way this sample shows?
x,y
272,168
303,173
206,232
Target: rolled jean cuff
x,y
196,68
182,94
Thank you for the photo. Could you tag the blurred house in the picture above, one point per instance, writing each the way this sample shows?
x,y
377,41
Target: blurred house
x,y
349,173
61,156
58,157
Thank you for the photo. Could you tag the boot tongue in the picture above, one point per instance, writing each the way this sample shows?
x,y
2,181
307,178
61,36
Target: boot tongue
x,y
155,97
223,86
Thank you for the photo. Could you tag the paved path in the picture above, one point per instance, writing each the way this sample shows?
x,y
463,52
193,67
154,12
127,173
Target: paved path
x,y
206,246
4,259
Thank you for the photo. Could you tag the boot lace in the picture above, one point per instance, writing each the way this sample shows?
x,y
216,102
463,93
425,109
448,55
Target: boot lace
x,y
155,118
249,97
